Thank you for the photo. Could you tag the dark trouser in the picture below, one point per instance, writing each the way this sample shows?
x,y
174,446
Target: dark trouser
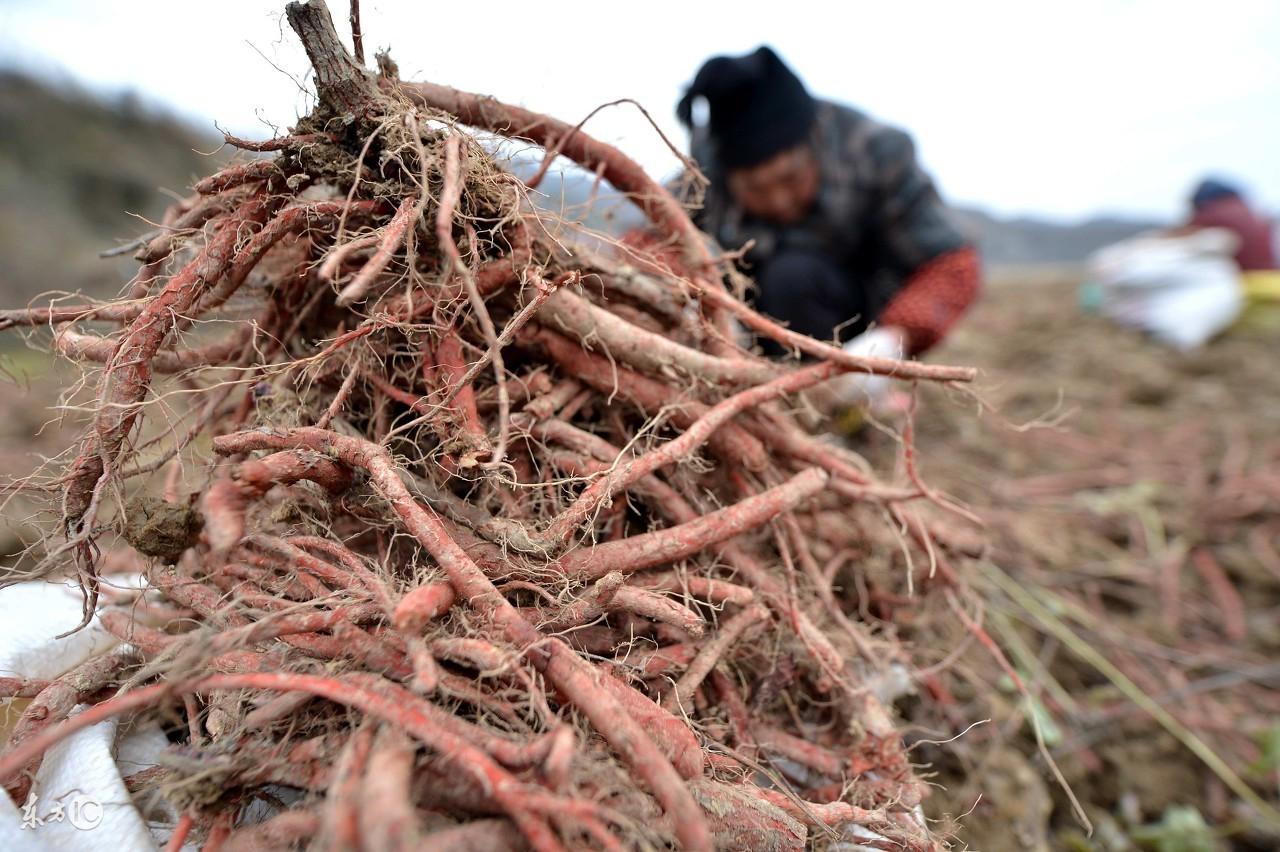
x,y
813,295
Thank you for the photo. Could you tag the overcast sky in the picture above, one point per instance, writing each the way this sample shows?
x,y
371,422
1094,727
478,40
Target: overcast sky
x,y
1065,109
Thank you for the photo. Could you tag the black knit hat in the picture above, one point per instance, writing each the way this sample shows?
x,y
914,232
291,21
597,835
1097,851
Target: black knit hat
x,y
1210,190
758,107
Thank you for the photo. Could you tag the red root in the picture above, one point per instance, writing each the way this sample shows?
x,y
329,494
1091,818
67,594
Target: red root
x,y
659,608
226,501
342,806
128,376
49,707
253,171
388,818
711,652
422,606
394,235
564,668
678,542
614,166
89,347
702,588
627,474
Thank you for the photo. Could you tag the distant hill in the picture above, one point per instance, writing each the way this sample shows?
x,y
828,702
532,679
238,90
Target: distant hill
x,y
73,167
1025,240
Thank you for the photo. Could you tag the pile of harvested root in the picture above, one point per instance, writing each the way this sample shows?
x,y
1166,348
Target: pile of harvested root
x,y
478,538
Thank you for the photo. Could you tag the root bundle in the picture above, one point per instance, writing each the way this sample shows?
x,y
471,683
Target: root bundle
x,y
479,536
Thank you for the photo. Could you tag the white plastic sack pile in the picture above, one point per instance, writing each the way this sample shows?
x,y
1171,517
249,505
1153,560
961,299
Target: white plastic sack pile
x,y
79,801
1180,289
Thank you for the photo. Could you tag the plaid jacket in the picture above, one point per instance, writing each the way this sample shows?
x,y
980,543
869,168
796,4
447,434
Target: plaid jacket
x,y
877,214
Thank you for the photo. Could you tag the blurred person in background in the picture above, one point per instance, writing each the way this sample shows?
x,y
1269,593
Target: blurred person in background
x,y
1216,203
848,238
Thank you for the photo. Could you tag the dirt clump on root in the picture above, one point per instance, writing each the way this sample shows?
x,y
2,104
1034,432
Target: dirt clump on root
x,y
160,530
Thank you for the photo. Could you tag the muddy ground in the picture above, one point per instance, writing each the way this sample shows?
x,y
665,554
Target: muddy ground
x,y
1141,511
